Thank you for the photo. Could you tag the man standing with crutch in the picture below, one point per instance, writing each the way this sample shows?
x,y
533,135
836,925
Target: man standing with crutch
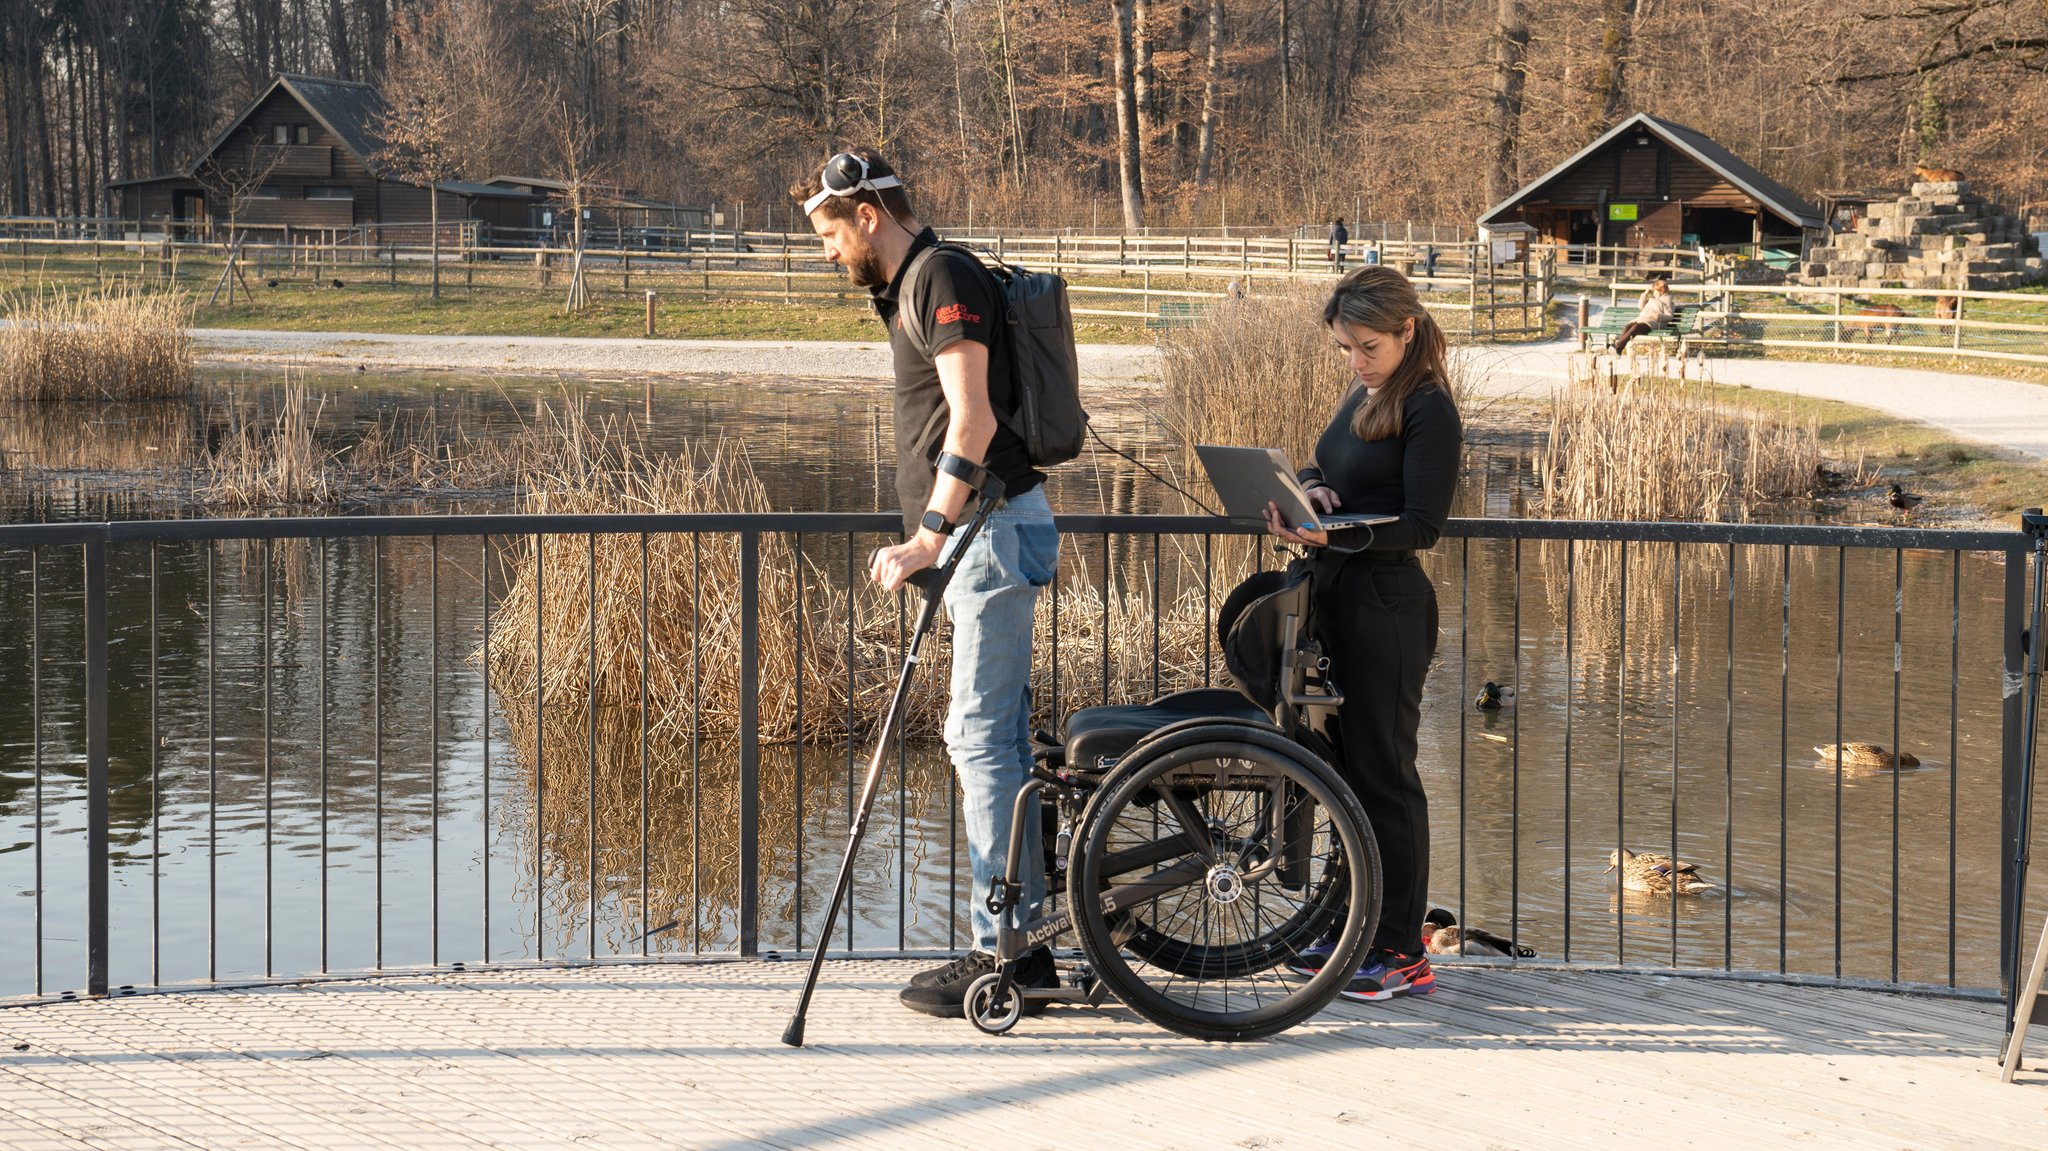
x,y
953,364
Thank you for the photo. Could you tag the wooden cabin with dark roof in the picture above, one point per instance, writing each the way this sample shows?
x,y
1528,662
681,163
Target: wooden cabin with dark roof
x,y
313,142
1650,183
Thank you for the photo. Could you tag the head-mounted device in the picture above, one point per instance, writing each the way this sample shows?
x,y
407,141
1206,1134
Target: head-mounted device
x,y
846,175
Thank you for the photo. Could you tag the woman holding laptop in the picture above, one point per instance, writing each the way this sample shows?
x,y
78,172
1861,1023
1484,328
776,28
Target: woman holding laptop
x,y
1392,447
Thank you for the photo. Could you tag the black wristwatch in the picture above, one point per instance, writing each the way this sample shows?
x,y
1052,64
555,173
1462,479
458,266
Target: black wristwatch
x,y
933,521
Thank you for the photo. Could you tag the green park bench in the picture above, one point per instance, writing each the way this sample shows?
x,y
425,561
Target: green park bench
x,y
1177,314
1616,317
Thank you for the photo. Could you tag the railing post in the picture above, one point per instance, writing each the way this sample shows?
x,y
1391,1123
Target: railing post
x,y
2013,750
750,742
96,766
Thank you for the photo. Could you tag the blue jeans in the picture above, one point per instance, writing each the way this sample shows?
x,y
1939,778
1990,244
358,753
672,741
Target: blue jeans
x,y
988,720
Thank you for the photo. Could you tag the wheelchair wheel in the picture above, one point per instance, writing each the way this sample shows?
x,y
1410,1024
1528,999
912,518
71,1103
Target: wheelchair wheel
x,y
1208,859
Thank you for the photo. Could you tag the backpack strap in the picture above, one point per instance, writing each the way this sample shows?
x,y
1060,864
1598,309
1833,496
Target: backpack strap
x,y
914,327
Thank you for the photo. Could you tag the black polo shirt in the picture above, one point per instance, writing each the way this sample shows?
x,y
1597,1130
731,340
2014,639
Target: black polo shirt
x,y
959,300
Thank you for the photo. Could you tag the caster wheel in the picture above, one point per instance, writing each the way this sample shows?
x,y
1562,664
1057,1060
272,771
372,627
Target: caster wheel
x,y
988,1016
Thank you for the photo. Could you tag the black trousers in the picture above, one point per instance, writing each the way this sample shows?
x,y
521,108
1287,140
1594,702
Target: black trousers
x,y
1377,619
1628,333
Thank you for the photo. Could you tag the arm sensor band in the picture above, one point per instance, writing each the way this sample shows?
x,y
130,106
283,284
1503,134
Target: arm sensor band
x,y
973,475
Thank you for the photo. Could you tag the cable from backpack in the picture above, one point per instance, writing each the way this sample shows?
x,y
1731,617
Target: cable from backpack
x,y
1146,468
1195,500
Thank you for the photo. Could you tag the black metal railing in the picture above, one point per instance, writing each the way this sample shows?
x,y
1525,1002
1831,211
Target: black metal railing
x,y
1665,672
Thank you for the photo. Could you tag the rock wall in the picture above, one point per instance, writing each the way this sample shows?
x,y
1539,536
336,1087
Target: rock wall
x,y
1939,236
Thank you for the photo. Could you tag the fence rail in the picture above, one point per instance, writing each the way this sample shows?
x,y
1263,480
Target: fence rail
x,y
1114,277
339,769
2008,326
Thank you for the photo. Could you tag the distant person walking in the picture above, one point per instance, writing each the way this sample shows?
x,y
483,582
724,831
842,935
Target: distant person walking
x,y
1654,310
1338,238
1429,261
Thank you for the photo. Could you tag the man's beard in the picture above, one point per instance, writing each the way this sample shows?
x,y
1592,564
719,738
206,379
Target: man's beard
x,y
864,268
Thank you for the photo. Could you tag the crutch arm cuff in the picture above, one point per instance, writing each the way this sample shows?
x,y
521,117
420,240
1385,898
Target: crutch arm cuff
x,y
972,474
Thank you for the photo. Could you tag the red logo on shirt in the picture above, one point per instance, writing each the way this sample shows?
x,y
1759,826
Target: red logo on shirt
x,y
956,314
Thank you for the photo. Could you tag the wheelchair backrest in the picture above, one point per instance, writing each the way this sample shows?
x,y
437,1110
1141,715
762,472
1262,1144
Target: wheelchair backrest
x,y
1266,629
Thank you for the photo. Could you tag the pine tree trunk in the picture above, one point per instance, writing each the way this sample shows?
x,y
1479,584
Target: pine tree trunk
x,y
1617,27
1510,46
1205,157
1128,145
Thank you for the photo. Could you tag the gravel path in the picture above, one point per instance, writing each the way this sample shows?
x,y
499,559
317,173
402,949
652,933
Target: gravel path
x,y
2006,414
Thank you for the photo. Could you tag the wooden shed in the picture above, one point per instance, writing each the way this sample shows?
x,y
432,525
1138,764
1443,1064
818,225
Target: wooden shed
x,y
313,142
1650,183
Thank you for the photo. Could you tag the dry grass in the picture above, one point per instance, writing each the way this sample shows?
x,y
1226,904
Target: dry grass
x,y
1259,371
692,591
1649,448
116,343
270,463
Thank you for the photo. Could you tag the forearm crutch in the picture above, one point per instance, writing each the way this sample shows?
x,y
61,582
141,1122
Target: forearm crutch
x,y
932,582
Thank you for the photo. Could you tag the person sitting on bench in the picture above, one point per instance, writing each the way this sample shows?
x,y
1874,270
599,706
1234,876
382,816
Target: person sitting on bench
x,y
1656,311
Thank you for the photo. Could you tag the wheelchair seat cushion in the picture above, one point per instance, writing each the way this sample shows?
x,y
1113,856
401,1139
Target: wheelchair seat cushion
x,y
1095,733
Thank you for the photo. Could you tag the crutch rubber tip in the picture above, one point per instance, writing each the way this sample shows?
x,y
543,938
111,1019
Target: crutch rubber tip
x,y
793,1035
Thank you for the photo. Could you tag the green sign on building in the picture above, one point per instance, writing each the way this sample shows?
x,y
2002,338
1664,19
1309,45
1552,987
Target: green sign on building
x,y
1621,211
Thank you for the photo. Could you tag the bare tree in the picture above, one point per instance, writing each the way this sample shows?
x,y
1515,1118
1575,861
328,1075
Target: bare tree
x,y
416,130
1510,46
1954,33
233,176
1617,35
420,121
1206,148
582,175
1129,143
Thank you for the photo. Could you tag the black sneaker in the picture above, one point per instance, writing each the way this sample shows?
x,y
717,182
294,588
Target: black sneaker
x,y
947,972
943,996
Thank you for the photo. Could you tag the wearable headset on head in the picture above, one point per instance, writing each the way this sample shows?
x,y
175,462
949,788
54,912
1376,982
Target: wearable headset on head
x,y
847,175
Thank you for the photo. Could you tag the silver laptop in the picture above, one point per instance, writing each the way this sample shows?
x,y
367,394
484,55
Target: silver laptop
x,y
1250,478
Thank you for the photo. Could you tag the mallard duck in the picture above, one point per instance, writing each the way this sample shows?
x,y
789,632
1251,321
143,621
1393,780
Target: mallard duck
x,y
1828,477
1441,935
1899,498
1864,755
1493,697
1657,874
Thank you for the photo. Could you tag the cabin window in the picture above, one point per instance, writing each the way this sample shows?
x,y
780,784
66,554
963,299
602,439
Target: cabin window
x,y
280,134
302,133
330,192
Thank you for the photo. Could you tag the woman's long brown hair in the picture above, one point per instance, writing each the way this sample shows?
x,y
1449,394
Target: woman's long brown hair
x,y
1378,297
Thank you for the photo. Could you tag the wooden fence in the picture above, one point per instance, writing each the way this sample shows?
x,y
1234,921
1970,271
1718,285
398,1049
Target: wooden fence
x,y
2009,326
1150,279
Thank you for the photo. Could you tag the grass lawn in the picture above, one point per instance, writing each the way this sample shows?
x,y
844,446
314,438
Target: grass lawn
x,y
1965,483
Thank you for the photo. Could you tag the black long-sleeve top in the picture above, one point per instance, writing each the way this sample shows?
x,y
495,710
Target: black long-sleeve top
x,y
1411,475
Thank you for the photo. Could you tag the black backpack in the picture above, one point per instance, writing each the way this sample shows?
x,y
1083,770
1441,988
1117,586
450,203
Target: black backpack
x,y
1045,367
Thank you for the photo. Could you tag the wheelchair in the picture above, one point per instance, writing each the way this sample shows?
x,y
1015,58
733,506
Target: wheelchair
x,y
1203,841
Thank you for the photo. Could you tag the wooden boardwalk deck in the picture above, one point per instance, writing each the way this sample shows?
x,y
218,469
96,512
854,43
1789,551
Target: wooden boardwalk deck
x,y
687,1056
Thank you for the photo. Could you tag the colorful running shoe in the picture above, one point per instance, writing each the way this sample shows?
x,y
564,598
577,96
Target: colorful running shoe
x,y
1312,958
1390,975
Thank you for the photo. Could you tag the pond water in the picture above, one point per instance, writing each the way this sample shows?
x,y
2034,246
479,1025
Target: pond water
x,y
341,785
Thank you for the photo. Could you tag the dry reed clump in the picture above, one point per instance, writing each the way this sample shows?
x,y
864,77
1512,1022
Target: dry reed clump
x,y
1654,449
116,343
271,463
1258,371
693,610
